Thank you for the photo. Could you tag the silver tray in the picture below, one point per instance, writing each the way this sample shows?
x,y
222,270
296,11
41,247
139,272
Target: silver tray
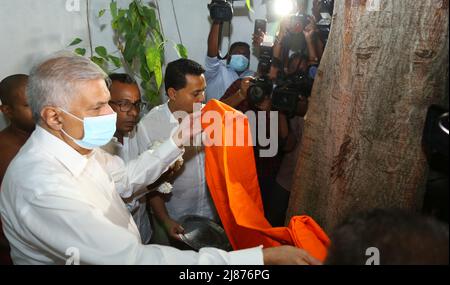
x,y
202,232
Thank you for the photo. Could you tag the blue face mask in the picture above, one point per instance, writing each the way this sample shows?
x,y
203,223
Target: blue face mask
x,y
238,62
98,131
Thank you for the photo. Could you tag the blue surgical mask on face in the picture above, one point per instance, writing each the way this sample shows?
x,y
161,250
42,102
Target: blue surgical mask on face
x,y
238,62
98,131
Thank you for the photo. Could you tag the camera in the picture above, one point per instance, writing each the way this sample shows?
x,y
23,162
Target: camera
x,y
220,10
286,95
259,89
299,19
265,59
262,87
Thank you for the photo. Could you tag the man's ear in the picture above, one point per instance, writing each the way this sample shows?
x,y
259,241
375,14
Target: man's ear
x,y
6,110
172,93
51,116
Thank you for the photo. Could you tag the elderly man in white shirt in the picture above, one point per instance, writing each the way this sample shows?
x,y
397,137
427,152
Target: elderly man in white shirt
x,y
59,199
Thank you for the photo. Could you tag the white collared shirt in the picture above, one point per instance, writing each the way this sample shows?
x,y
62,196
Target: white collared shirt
x,y
190,195
57,205
128,151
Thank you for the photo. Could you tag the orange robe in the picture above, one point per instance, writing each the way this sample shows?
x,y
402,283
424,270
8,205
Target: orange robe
x,y
233,184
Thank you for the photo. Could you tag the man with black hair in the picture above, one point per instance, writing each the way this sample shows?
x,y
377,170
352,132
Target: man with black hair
x,y
220,74
185,85
126,102
389,237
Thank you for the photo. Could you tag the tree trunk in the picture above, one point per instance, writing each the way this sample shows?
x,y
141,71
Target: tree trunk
x,y
385,63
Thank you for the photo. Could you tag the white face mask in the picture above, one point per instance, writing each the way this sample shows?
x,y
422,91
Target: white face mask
x,y
98,131
238,62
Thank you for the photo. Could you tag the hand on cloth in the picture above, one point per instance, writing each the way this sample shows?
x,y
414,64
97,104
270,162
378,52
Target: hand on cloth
x,y
288,255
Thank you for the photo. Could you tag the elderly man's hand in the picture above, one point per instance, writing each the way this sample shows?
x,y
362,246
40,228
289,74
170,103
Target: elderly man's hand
x,y
288,255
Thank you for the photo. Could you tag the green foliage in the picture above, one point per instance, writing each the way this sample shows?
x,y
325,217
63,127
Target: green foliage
x,y
75,42
140,44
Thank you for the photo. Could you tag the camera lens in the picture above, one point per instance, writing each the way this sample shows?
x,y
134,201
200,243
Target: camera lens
x,y
255,94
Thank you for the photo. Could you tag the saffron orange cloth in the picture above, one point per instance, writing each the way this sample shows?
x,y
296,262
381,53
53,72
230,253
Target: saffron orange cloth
x,y
233,184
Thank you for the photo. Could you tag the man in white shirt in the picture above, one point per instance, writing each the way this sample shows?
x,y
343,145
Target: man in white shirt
x,y
60,200
221,73
185,85
126,102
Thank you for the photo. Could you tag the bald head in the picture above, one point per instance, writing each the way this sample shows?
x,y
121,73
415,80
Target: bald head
x,y
12,87
15,105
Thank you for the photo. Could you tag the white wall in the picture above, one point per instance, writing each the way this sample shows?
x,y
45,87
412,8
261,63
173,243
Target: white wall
x,y
31,29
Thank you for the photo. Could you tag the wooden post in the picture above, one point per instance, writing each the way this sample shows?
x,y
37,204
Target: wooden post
x,y
385,63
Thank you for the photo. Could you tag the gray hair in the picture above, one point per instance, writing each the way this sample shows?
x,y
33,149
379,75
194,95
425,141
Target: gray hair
x,y
54,81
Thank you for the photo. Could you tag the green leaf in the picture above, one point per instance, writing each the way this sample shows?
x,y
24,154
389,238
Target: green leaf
x,y
80,51
153,58
101,13
181,50
116,61
150,17
99,61
113,8
131,48
138,6
101,51
145,75
75,42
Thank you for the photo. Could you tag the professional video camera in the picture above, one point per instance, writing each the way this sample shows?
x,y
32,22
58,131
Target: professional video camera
x,y
221,10
286,95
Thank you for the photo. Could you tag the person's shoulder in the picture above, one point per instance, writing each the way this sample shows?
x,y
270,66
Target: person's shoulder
x,y
5,137
30,174
155,114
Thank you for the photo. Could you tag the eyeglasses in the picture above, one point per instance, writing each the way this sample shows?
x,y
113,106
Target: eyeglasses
x,y
125,105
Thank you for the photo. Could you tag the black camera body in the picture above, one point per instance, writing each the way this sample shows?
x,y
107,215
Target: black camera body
x,y
259,89
286,95
299,19
220,10
265,59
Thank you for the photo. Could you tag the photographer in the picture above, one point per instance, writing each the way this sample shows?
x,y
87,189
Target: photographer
x,y
275,173
221,73
297,34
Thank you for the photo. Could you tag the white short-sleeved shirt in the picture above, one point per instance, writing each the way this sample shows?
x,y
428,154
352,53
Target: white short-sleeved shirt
x,y
190,195
57,205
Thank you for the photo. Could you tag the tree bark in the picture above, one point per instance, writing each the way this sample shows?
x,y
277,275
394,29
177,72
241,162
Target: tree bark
x,y
385,63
